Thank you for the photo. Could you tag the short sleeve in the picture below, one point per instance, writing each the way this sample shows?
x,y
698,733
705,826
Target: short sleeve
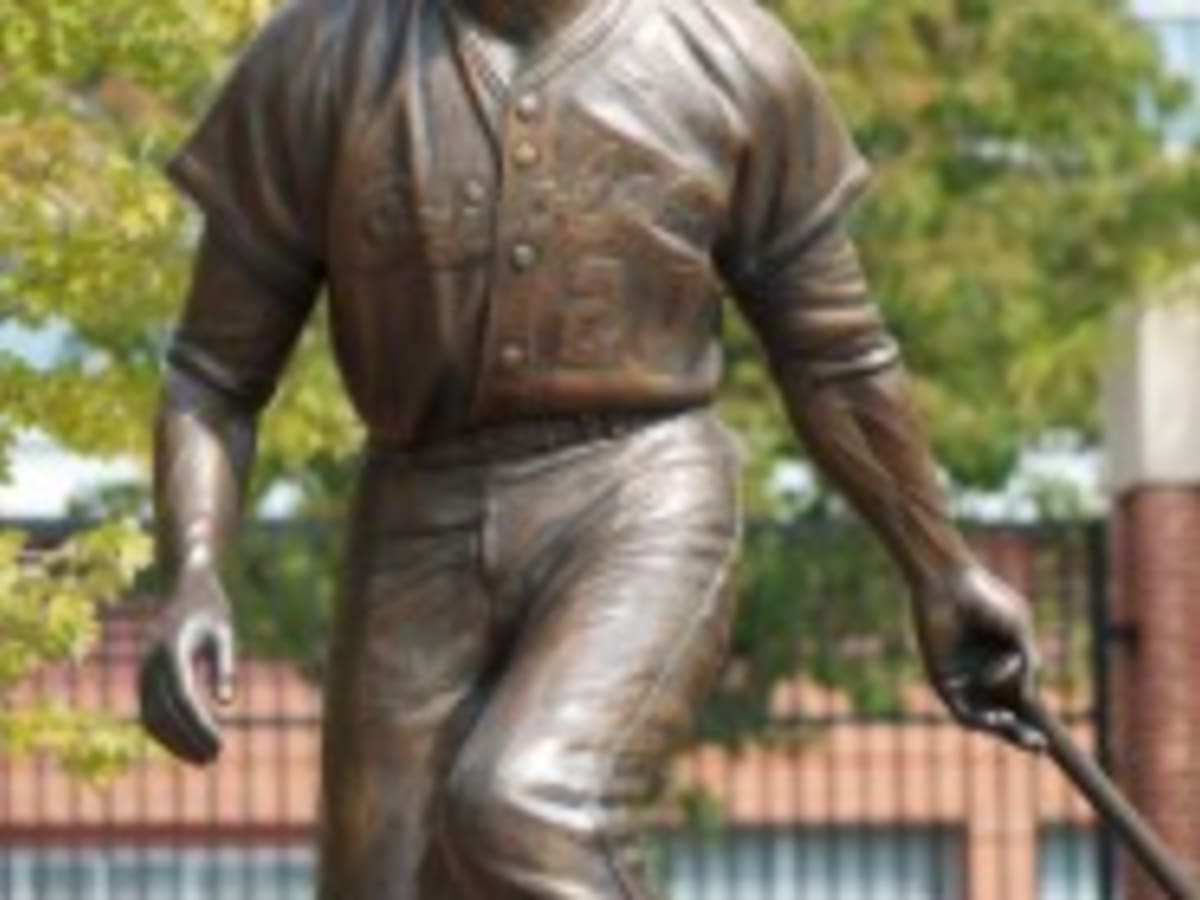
x,y
233,333
257,163
787,256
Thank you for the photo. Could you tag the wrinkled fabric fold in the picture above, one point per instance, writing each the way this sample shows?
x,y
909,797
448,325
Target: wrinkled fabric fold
x,y
519,646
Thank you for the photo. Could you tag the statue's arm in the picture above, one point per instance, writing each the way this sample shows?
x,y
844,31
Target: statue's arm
x,y
862,432
233,340
789,262
849,399
974,630
204,450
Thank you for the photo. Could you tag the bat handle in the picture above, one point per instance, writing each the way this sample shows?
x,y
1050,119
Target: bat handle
x,y
1111,804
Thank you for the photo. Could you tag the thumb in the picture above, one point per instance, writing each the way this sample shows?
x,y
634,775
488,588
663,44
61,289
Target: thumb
x,y
224,670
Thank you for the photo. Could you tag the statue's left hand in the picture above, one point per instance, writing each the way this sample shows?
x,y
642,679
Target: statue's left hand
x,y
195,625
977,639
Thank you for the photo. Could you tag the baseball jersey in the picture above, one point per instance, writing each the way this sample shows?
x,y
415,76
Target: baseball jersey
x,y
555,243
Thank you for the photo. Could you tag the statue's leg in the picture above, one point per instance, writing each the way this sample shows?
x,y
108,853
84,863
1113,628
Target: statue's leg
x,y
626,609
410,642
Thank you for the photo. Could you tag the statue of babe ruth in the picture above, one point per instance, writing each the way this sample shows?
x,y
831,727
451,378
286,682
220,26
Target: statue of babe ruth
x,y
527,214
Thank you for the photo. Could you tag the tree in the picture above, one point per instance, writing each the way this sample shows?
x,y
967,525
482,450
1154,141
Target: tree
x,y
1022,193
46,617
93,243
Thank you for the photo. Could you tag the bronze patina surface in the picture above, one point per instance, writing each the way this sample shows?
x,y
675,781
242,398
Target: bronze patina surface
x,y
525,219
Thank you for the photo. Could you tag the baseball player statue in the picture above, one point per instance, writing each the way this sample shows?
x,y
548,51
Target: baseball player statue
x,y
525,216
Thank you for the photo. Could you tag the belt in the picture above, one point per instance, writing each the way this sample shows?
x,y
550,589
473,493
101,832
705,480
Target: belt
x,y
504,441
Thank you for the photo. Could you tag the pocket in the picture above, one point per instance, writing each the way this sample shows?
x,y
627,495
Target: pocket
x,y
398,223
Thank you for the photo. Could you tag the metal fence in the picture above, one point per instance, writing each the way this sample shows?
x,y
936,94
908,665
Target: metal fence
x,y
822,768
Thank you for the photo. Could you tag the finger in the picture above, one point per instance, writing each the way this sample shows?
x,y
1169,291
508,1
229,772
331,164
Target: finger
x,y
1007,726
154,711
1004,682
995,698
224,672
1032,739
167,719
1003,674
1009,682
961,697
198,745
202,746
187,708
161,727
188,643
151,662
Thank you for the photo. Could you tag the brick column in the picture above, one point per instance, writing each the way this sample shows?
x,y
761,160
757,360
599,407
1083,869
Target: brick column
x,y
1153,425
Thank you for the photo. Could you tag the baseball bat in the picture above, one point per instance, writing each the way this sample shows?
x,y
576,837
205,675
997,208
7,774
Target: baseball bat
x,y
1110,803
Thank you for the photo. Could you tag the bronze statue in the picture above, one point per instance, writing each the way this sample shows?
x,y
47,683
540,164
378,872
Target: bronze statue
x,y
527,215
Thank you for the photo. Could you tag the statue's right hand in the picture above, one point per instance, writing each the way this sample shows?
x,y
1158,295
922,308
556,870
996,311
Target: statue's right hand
x,y
195,625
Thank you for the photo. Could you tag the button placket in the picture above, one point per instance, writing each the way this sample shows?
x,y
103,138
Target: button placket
x,y
524,253
518,254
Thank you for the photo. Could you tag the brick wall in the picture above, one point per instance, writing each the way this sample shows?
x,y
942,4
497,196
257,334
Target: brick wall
x,y
1157,672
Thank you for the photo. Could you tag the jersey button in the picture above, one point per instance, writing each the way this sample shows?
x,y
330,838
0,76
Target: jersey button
x,y
526,154
524,257
475,191
529,107
512,355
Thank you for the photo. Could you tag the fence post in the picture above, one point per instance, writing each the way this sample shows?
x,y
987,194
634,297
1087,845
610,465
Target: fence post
x,y
1153,428
1100,617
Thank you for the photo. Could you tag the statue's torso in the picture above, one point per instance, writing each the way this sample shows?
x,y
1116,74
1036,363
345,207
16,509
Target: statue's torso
x,y
503,244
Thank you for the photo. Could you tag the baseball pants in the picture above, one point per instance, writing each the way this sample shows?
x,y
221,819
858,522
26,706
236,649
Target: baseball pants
x,y
518,648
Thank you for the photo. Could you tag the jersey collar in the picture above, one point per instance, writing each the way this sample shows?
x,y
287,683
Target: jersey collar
x,y
571,41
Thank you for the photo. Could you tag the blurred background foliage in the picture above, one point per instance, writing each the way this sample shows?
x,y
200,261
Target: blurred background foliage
x,y
47,617
1021,194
